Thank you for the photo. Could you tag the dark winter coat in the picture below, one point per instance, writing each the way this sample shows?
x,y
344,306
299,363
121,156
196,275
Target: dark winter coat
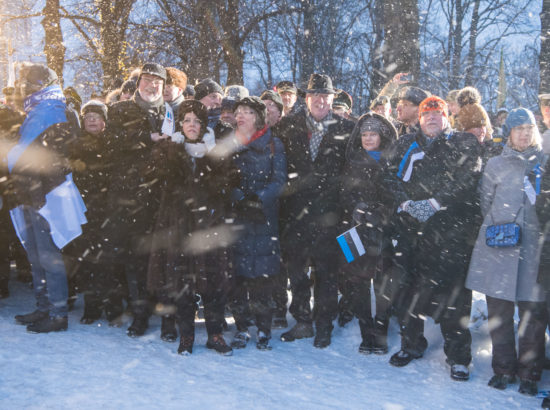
x,y
263,173
508,273
311,204
191,238
449,172
363,181
543,214
92,165
134,191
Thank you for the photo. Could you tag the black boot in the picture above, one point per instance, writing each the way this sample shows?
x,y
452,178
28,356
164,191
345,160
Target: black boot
x,y
501,381
300,330
31,318
380,339
138,326
48,324
168,331
92,309
217,343
367,343
114,309
322,335
186,345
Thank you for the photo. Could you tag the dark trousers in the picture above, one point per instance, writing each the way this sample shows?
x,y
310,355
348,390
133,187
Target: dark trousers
x,y
103,286
532,325
321,255
135,267
255,293
280,293
450,308
213,293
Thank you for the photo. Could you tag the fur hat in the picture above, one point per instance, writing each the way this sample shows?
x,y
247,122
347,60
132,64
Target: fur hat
x,y
176,77
257,105
413,94
197,108
205,87
237,92
451,96
433,103
273,96
468,95
473,116
94,106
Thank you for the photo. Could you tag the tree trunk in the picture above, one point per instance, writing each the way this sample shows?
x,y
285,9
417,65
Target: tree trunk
x,y
454,81
401,49
53,38
379,78
309,41
469,71
544,59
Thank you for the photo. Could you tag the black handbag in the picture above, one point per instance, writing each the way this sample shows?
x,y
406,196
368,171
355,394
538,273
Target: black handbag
x,y
503,235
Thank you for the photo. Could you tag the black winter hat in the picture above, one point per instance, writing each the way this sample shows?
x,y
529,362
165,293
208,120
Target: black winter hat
x,y
320,84
197,108
273,96
205,87
38,75
228,104
413,94
256,104
343,99
286,86
153,69
189,91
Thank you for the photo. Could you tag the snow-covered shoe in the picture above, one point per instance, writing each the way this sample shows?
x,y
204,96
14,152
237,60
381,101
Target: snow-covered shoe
x,y
240,340
263,341
138,327
301,330
460,373
279,323
501,381
168,331
344,317
31,318
91,314
322,337
48,324
366,346
528,387
217,343
186,345
402,358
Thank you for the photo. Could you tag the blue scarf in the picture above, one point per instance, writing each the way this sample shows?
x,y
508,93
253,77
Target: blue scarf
x,y
375,154
45,108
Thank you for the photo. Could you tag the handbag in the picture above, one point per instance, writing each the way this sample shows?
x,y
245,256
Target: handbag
x,y
503,235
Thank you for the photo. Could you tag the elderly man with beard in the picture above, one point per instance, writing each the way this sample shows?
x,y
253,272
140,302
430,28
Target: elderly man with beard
x,y
137,125
434,175
315,143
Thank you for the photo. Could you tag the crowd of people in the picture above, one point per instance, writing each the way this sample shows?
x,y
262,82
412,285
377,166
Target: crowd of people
x,y
170,197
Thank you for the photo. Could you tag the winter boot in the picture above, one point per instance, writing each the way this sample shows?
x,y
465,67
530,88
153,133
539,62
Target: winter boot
x,y
263,341
114,309
528,387
367,342
345,315
217,343
48,324
380,339
460,372
402,358
300,330
186,345
168,331
501,381
322,336
138,327
240,340
31,318
92,310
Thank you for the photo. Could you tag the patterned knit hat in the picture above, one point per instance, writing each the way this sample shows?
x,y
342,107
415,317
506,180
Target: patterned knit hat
x,y
433,103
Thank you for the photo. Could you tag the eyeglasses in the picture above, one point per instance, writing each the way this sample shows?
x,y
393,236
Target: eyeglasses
x,y
152,80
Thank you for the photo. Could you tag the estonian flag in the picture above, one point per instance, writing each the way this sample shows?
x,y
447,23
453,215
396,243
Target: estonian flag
x,y
351,244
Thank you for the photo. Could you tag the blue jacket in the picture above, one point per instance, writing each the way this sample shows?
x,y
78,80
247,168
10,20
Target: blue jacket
x,y
262,165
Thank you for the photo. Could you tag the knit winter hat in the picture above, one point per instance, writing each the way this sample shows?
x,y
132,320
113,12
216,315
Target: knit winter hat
x,y
517,117
433,103
237,92
94,106
413,94
273,96
375,124
473,116
197,108
257,105
189,91
176,77
205,87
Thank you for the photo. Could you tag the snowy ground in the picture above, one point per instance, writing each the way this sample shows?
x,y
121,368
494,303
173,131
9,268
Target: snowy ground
x,y
95,366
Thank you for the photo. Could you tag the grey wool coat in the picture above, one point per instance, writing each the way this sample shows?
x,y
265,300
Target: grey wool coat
x,y
508,273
